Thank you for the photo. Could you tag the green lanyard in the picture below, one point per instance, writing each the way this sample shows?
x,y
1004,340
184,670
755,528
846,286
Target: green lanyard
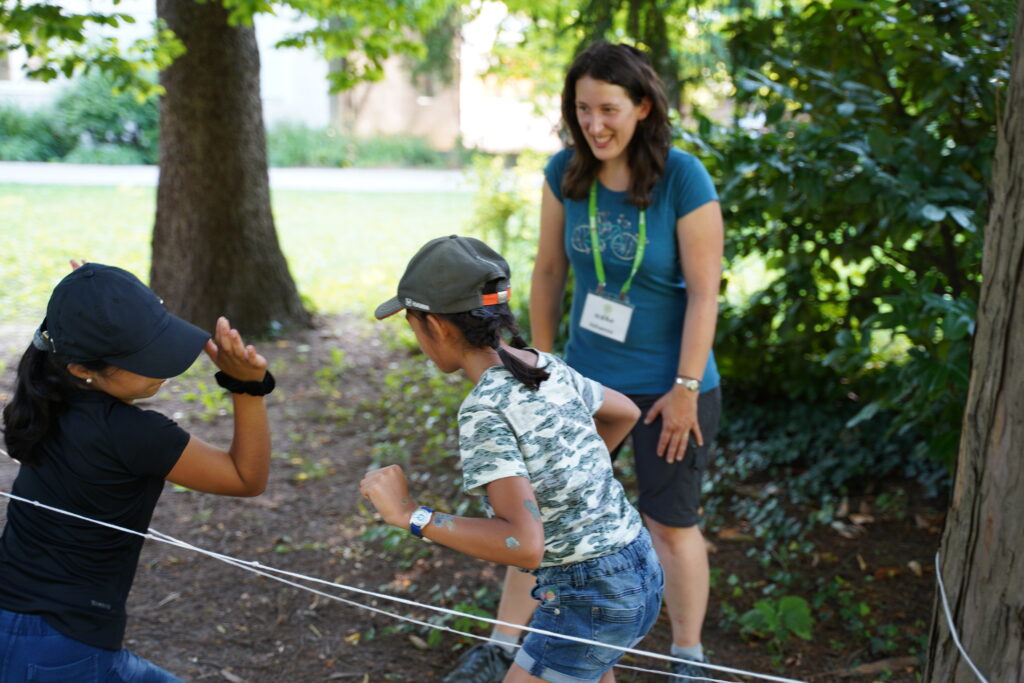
x,y
595,245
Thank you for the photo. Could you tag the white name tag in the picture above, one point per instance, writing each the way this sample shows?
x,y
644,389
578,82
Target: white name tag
x,y
606,317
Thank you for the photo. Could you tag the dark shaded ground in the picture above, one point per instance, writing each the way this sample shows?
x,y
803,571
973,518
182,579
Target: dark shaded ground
x,y
205,620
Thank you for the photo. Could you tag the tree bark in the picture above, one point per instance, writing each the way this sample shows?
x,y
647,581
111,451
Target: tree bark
x,y
982,556
215,248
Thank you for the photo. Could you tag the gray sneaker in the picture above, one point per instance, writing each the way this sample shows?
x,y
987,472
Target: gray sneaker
x,y
691,670
483,663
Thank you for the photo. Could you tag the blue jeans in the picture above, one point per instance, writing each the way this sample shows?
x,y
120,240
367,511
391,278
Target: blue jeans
x,y
32,650
614,599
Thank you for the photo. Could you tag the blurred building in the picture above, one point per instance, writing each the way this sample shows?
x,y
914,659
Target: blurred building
x,y
481,111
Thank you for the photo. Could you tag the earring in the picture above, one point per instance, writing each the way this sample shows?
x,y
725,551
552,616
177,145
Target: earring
x,y
88,380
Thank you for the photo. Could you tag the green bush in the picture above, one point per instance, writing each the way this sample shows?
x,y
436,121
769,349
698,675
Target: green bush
x,y
106,154
296,144
32,136
96,116
397,151
89,123
292,144
861,185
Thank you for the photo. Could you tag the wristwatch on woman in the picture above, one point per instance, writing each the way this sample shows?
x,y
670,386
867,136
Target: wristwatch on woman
x,y
690,383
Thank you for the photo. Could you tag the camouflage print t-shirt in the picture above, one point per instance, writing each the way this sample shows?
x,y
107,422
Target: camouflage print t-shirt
x,y
548,436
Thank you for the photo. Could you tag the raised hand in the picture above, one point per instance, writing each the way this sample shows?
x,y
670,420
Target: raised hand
x,y
229,353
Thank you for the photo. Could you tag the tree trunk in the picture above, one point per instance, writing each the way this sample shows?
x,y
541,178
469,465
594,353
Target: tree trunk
x,y
982,556
215,249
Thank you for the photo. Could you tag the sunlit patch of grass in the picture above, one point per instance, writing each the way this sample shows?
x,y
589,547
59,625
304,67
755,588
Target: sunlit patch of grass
x,y
44,227
346,251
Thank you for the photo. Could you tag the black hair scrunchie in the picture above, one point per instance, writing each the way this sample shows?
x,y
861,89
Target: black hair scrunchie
x,y
237,386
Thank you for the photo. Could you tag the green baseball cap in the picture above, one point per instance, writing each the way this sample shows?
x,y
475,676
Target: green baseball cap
x,y
450,274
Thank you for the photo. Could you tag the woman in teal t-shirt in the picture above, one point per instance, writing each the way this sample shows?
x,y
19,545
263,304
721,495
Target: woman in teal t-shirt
x,y
640,226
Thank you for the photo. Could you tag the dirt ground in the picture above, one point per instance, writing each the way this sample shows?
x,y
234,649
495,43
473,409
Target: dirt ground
x,y
205,620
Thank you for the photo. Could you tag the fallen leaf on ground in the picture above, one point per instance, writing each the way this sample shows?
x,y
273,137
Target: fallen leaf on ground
x,y
847,530
931,523
887,572
735,535
882,665
861,520
915,567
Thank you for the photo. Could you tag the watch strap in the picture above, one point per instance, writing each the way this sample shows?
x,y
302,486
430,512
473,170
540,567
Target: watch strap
x,y
691,383
417,529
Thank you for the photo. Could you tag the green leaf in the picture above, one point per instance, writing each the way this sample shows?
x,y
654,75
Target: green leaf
x,y
796,616
865,413
963,217
933,213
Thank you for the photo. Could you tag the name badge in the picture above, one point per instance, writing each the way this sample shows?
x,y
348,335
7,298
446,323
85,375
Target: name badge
x,y
606,317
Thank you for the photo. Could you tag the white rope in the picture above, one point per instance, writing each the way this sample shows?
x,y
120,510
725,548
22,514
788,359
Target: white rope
x,y
440,627
264,570
949,621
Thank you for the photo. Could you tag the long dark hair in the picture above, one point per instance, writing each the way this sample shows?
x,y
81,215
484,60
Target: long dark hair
x,y
627,67
484,328
42,392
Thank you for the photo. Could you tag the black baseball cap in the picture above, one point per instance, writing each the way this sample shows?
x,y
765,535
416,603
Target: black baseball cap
x,y
104,313
451,274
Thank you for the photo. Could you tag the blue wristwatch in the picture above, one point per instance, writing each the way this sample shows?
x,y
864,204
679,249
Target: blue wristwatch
x,y
420,517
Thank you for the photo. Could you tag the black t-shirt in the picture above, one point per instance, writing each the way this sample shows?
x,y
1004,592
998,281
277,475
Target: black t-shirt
x,y
107,461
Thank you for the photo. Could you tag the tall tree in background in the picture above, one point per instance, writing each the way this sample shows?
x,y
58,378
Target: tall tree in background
x,y
215,249
981,557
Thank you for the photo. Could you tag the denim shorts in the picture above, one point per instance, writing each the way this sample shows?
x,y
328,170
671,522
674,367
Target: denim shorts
x,y
32,651
614,599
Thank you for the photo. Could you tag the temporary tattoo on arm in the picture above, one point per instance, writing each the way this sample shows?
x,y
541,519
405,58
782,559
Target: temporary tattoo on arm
x,y
445,521
512,543
532,507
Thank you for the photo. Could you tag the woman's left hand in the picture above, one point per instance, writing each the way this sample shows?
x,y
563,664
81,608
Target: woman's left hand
x,y
678,411
388,490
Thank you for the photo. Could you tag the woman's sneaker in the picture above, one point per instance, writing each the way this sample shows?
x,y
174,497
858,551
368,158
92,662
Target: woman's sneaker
x,y
483,663
684,668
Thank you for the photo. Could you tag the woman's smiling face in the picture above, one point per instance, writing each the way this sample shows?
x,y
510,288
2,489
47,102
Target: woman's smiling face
x,y
608,117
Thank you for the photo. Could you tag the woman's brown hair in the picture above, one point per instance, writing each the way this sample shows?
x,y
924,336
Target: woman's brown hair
x,y
628,68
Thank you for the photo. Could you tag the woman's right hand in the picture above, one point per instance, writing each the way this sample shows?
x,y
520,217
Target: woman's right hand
x,y
229,353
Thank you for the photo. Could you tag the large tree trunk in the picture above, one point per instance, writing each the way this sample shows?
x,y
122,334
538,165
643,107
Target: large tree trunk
x,y
215,249
982,560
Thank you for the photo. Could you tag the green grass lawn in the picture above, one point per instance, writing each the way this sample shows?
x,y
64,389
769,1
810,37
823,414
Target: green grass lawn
x,y
346,250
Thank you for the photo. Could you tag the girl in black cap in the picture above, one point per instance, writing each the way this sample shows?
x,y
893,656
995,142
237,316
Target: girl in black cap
x,y
85,448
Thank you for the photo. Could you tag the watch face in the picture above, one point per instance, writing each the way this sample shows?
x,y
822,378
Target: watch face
x,y
420,517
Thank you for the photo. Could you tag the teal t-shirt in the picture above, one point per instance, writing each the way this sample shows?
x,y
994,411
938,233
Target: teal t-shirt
x,y
647,362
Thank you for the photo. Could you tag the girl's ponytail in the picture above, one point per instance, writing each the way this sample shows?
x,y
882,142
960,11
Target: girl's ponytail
x,y
529,375
43,388
484,327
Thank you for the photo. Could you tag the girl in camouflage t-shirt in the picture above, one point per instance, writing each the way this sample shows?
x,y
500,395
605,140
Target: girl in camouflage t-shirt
x,y
533,439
